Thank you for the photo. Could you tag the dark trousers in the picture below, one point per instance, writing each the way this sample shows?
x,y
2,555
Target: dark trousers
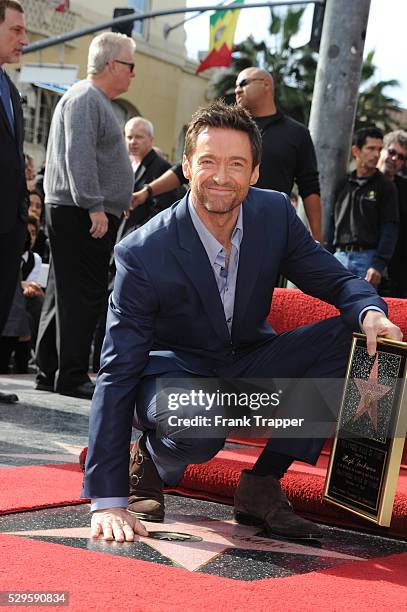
x,y
316,352
75,295
11,249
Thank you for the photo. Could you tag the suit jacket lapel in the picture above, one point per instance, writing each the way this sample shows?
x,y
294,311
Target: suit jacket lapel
x,y
5,118
251,255
139,173
18,122
192,256
16,101
144,166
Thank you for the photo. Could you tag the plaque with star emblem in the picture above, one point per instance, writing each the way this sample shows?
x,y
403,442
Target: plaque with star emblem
x,y
372,423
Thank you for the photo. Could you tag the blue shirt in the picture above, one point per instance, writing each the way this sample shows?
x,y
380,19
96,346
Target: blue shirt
x,y
225,272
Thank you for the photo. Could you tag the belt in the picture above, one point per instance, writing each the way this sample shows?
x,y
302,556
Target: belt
x,y
351,248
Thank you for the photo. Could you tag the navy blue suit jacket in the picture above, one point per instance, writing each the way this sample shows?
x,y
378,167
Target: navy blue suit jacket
x,y
165,312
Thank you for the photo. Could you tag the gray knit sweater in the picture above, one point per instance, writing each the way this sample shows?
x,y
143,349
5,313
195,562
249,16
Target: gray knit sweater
x,y
87,163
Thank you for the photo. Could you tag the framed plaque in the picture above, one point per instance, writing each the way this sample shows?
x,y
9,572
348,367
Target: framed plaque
x,y
372,423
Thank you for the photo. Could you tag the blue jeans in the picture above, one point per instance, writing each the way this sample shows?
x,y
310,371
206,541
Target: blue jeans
x,y
357,262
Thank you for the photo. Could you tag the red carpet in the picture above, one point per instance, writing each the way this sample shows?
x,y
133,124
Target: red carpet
x,y
39,486
217,480
292,308
97,581
26,488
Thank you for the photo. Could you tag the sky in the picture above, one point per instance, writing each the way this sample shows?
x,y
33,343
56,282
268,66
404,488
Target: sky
x,y
385,32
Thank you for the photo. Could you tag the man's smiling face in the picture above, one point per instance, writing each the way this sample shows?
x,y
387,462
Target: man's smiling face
x,y
220,170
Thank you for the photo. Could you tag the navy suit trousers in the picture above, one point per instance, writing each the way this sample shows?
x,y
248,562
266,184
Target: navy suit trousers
x,y
313,352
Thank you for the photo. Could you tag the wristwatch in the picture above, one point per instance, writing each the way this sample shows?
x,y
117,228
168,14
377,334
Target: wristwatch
x,y
149,189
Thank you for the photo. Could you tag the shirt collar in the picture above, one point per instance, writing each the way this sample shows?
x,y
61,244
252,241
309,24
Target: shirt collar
x,y
211,244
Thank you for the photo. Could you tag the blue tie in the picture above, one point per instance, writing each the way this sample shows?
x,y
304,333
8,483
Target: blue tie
x,y
6,98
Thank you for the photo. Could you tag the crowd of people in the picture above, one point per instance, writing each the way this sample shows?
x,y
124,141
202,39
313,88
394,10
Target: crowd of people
x,y
190,285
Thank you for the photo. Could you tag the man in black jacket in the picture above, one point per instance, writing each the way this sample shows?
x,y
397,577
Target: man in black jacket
x,y
13,210
147,165
288,153
365,213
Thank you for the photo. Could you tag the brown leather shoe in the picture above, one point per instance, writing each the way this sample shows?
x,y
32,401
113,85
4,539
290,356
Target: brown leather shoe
x,y
146,499
259,500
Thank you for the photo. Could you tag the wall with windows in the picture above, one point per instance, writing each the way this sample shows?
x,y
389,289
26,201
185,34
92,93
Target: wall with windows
x,y
165,90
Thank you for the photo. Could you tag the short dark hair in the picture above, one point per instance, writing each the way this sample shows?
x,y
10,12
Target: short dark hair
x,y
9,4
224,116
360,136
36,192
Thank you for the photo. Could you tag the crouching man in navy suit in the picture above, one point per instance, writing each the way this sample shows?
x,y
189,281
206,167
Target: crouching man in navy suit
x,y
192,293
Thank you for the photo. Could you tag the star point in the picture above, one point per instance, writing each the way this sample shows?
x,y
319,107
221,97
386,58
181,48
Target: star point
x,y
211,538
371,391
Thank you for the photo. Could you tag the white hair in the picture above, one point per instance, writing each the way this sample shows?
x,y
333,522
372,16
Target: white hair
x,y
145,122
105,47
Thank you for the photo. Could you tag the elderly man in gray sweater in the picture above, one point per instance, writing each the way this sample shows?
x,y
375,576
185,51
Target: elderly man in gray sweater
x,y
88,183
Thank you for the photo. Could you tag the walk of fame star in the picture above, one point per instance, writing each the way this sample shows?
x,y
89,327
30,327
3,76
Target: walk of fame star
x,y
371,391
210,538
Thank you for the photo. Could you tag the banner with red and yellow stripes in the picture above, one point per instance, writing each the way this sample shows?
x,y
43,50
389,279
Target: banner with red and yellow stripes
x,y
222,33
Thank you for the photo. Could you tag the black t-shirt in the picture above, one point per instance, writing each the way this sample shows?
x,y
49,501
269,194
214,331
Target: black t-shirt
x,y
288,155
177,170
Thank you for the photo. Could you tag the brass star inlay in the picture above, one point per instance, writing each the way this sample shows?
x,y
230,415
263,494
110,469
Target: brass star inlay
x,y
371,391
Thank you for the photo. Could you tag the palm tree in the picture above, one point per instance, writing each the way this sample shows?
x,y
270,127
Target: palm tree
x,y
294,70
374,106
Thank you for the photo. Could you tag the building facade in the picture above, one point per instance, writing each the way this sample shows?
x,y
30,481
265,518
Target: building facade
x,y
166,90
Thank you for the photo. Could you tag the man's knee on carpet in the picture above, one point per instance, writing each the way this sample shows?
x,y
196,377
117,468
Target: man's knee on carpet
x,y
172,456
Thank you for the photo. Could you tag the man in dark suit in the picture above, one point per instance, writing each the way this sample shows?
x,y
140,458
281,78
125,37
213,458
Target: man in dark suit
x,y
192,293
13,209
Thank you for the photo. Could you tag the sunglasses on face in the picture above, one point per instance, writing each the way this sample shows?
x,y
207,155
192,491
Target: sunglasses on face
x,y
397,155
245,82
129,64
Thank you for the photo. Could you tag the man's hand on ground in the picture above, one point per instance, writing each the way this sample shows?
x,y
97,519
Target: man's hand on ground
x,y
376,324
373,277
99,222
116,524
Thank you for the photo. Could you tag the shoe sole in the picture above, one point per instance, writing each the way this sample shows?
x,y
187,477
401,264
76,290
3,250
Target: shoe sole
x,y
248,519
147,517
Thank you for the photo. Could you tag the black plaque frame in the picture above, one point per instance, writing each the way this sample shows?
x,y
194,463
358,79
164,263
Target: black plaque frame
x,y
367,450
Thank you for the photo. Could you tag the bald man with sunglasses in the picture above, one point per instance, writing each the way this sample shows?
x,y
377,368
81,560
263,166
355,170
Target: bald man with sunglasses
x,y
288,153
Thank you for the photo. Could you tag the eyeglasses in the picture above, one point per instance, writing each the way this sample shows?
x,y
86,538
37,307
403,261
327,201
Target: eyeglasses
x,y
245,82
129,64
397,155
